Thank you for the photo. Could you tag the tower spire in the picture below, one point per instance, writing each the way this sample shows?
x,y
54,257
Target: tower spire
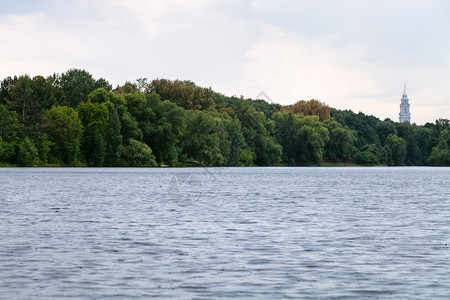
x,y
405,115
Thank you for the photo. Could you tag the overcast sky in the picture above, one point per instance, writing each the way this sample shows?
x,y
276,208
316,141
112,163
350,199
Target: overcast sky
x,y
350,54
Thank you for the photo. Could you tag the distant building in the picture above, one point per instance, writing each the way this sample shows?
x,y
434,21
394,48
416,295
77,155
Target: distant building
x,y
404,115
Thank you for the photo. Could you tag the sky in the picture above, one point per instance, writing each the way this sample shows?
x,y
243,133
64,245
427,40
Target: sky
x,y
350,54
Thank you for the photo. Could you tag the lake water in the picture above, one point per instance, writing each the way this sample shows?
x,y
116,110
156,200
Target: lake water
x,y
262,233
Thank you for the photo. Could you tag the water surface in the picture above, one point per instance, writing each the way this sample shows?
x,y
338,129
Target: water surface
x,y
262,233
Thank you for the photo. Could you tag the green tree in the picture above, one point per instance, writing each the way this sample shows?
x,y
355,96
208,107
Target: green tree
x,y
311,140
440,155
44,147
423,136
370,155
94,117
44,94
397,145
247,157
6,86
27,154
183,93
137,154
384,129
256,130
341,142
113,138
287,126
78,84
237,145
10,133
64,130
363,125
201,141
164,129
22,102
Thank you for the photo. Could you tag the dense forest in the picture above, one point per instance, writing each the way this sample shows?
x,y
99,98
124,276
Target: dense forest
x,y
73,119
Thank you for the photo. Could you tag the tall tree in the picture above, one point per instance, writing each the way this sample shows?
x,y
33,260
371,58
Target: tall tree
x,y
78,84
342,140
201,141
22,102
94,117
311,140
113,138
64,130
397,146
440,155
287,126
257,133
27,154
10,134
165,129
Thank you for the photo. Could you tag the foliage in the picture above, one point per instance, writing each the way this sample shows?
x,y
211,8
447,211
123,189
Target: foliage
x,y
137,154
310,108
311,138
113,138
256,130
201,141
78,84
369,156
27,154
64,130
10,133
73,118
341,142
440,155
397,147
183,93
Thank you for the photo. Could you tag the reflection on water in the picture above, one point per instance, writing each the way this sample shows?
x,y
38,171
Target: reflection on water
x,y
331,233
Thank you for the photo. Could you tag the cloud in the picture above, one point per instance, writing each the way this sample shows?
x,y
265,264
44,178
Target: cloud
x,y
292,67
337,52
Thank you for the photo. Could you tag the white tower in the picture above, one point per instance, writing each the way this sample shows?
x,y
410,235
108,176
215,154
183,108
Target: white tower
x,y
404,115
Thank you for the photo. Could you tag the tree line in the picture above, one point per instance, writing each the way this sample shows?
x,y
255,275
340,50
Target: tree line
x,y
73,119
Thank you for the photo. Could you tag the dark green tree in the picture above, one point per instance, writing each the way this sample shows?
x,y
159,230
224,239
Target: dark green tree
x,y
237,144
397,146
64,130
287,125
440,155
384,129
165,130
183,93
78,84
10,133
201,142
137,154
113,138
311,140
94,117
256,130
341,142
370,155
27,154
